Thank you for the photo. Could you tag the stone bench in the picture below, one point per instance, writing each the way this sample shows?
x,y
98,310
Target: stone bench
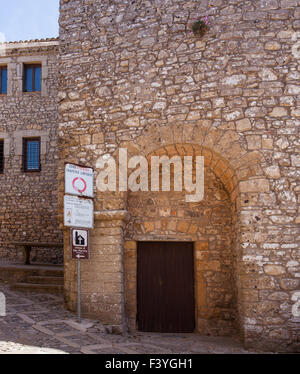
x,y
27,246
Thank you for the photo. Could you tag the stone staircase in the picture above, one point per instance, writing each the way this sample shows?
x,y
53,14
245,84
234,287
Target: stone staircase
x,y
41,284
39,278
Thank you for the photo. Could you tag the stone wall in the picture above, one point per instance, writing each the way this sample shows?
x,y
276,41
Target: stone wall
x,y
28,201
134,76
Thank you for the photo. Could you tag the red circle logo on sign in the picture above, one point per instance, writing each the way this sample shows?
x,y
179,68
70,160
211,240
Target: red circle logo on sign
x,y
79,184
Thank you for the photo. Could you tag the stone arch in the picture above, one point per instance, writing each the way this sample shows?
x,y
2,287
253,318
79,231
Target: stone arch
x,y
228,161
166,216
224,151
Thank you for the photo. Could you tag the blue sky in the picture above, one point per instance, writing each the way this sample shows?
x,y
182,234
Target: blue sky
x,y
28,19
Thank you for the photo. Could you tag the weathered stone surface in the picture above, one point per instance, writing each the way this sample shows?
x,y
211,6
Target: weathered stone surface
x,y
40,325
295,160
234,95
111,215
272,46
268,75
254,142
288,4
243,125
289,284
278,112
28,200
273,172
274,270
255,185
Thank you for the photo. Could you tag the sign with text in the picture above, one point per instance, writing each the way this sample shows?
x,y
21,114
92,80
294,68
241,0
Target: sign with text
x,y
80,244
78,212
79,180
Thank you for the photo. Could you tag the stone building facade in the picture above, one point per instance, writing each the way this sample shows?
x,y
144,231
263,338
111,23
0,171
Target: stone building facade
x,y
132,75
28,200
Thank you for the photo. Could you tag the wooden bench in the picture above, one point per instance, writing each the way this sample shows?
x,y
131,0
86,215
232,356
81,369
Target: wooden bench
x,y
27,246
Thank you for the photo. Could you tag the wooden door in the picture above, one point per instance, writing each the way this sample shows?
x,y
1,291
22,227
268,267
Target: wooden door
x,y
165,287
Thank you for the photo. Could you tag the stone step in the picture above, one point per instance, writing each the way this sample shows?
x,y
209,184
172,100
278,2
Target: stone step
x,y
33,287
45,273
14,273
38,279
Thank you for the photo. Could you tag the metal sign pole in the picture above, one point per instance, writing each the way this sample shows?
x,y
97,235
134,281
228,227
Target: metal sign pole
x,y
79,292
79,211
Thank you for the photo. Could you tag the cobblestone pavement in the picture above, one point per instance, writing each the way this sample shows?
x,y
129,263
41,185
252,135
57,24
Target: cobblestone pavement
x,y
38,323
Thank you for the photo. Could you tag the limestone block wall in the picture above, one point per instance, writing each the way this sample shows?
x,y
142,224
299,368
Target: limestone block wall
x,y
134,76
28,201
102,274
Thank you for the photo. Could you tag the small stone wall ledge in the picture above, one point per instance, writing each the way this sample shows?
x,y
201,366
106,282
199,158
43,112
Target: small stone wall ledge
x,y
111,215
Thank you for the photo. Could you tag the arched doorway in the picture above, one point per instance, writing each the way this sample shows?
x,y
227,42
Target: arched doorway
x,y
207,225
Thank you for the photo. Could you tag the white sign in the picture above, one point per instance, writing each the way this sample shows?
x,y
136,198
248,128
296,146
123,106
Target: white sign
x,y
79,180
78,212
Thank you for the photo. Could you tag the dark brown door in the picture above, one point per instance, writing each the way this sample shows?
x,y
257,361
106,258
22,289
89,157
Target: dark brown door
x,y
165,287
